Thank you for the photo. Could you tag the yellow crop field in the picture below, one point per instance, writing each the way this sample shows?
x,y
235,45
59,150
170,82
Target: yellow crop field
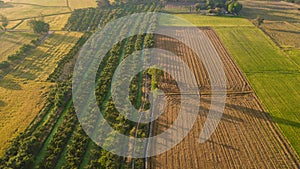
x,y
19,11
23,89
36,66
11,41
77,4
19,104
40,2
56,22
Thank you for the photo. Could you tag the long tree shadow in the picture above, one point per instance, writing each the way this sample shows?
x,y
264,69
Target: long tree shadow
x,y
255,113
2,103
269,15
9,84
286,31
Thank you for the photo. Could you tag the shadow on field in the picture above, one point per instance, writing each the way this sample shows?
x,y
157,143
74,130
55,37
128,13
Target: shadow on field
x,y
2,103
9,84
223,145
24,75
286,31
272,15
254,113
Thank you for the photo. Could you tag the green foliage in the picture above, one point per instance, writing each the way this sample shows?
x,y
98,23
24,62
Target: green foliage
x,y
4,65
39,26
21,53
197,6
155,73
259,20
234,7
57,72
44,142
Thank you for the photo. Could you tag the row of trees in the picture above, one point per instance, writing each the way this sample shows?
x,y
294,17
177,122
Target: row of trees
x,y
28,145
231,6
118,122
17,57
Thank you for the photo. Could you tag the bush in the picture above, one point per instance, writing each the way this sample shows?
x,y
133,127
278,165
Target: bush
x,y
39,26
4,65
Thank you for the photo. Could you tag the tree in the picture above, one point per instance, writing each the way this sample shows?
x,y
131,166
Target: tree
x,y
234,7
4,22
39,26
259,20
197,6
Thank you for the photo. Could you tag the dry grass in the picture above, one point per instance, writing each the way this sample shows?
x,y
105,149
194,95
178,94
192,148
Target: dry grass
x,y
286,35
11,41
77,4
12,24
19,104
23,88
56,22
18,11
41,2
281,20
273,11
43,60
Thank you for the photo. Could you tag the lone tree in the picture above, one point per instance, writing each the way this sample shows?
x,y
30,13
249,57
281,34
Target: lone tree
x,y
39,26
4,21
259,20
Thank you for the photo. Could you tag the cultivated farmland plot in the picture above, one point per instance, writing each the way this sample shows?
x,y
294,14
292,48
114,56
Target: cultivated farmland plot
x,y
246,136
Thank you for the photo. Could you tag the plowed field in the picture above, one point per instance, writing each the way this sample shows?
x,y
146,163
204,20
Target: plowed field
x,y
246,137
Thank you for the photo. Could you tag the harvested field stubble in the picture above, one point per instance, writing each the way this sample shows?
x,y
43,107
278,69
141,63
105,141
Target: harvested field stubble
x,y
246,137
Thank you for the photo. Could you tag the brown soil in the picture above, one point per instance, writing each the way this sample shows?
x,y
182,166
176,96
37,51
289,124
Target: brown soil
x,y
246,137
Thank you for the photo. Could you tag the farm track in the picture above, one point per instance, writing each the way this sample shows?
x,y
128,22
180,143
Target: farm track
x,y
246,137
55,14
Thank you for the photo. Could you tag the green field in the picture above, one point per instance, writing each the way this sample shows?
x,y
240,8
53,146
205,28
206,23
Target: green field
x,y
254,51
294,55
280,94
274,75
